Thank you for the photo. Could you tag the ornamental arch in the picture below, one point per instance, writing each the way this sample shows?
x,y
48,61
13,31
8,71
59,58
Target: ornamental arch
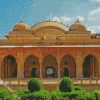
x,y
31,66
90,66
9,67
68,66
50,67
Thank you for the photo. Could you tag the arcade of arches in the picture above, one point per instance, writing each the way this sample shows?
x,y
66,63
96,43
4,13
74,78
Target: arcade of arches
x,y
50,67
50,50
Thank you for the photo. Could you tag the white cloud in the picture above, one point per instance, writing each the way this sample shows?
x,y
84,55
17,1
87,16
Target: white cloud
x,y
97,0
94,16
62,19
81,18
94,13
94,0
94,29
94,19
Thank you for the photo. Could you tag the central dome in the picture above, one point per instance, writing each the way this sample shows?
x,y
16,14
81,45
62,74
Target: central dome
x,y
21,26
77,26
49,24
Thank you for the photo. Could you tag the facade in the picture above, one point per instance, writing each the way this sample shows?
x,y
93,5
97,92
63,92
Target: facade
x,y
50,50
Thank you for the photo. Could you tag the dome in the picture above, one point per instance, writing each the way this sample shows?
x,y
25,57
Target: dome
x,y
21,26
77,26
52,24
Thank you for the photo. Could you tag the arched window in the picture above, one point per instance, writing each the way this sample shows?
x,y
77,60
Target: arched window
x,y
9,67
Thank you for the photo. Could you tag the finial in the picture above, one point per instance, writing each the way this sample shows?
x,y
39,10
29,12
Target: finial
x,y
67,25
21,21
77,20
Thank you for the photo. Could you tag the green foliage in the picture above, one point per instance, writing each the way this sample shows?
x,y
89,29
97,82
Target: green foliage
x,y
66,85
58,95
34,85
37,95
82,94
79,88
90,96
97,94
6,95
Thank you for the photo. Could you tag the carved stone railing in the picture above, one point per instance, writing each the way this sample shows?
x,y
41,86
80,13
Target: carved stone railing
x,y
81,81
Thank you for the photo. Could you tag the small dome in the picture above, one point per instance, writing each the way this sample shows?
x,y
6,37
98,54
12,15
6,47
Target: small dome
x,y
21,26
77,26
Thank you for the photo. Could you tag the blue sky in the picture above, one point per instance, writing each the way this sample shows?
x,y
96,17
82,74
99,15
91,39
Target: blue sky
x,y
35,11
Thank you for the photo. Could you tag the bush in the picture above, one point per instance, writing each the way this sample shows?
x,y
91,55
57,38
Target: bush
x,y
6,95
90,96
58,95
97,94
37,95
66,85
79,88
34,85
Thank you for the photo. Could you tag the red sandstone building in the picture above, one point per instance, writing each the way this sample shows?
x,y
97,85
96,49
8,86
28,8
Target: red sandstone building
x,y
50,50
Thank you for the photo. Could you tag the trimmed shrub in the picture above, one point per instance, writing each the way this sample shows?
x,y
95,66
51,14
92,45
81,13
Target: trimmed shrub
x,y
34,85
66,85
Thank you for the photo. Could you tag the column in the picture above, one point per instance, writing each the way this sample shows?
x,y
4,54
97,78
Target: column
x,y
58,60
1,59
79,65
20,65
59,68
0,68
40,61
98,66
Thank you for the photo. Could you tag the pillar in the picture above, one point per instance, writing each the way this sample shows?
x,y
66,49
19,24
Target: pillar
x,y
59,68
58,60
40,61
0,68
98,65
20,65
79,65
1,60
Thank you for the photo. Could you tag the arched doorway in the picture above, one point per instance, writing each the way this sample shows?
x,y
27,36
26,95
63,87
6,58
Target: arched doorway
x,y
31,67
68,66
90,66
50,67
9,67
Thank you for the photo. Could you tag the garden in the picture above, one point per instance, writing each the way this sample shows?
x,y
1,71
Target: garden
x,y
66,91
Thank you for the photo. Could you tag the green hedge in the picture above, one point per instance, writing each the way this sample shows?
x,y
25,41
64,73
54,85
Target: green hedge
x,y
37,95
78,93
6,95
